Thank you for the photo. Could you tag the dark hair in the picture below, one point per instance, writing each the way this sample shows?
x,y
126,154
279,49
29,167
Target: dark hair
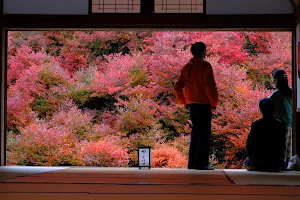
x,y
282,82
266,107
198,49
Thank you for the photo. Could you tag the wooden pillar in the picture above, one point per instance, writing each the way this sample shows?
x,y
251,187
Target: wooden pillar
x,y
297,134
296,115
2,99
147,7
2,91
296,81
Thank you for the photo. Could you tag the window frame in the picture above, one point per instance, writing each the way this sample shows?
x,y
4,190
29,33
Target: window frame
x,y
147,8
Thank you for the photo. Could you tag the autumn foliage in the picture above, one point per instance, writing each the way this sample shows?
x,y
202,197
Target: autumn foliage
x,y
91,98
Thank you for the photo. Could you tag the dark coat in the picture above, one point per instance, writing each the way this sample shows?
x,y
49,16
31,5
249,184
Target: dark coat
x,y
266,144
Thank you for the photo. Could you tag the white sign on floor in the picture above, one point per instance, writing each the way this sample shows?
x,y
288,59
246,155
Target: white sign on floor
x,y
144,154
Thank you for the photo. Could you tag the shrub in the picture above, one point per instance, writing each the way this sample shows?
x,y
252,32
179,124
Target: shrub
x,y
77,121
137,115
168,157
40,145
81,96
138,76
103,154
122,84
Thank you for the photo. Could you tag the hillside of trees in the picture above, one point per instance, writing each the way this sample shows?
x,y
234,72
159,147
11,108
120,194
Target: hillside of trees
x,y
90,98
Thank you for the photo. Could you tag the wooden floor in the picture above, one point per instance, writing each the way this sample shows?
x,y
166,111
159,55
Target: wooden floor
x,y
66,183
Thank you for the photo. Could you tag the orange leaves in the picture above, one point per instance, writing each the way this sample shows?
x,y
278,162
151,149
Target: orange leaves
x,y
104,154
168,157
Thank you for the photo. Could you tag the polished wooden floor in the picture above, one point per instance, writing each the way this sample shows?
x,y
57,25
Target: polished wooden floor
x,y
68,183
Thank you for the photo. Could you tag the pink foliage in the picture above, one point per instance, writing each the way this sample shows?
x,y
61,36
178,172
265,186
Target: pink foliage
x,y
53,67
23,59
103,154
41,145
21,94
75,120
115,76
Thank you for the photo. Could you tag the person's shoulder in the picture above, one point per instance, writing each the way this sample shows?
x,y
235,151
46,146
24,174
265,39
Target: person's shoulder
x,y
206,63
275,93
187,65
257,122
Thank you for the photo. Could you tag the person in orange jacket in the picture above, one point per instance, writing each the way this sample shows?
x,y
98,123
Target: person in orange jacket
x,y
196,90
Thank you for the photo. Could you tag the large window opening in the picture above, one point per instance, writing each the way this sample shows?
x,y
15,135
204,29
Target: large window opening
x,y
91,98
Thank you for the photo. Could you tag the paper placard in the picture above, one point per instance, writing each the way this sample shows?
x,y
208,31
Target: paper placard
x,y
144,157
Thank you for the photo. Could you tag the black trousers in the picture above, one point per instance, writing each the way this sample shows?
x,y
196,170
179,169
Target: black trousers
x,y
200,143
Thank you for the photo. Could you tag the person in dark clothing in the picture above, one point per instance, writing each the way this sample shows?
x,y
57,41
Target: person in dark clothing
x,y
266,141
282,98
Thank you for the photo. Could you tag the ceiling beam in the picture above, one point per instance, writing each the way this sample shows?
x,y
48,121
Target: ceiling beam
x,y
149,21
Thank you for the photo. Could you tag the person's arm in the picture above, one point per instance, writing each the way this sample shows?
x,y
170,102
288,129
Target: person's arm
x,y
210,86
178,89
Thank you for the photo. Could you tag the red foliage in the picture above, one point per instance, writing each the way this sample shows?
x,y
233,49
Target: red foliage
x,y
85,87
41,145
21,94
114,77
23,59
103,154
168,157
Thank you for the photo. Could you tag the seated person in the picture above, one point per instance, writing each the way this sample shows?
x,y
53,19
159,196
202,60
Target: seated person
x,y
266,141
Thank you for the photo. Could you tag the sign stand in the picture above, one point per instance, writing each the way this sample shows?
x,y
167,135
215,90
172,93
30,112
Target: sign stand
x,y
144,156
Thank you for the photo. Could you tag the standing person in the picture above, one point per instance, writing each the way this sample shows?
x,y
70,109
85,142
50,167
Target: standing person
x,y
282,98
196,90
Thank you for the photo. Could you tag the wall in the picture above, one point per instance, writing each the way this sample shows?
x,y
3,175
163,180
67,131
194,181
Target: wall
x,y
76,7
213,7
249,7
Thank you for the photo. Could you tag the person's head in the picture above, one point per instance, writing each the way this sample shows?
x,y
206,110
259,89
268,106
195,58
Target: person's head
x,y
266,107
280,81
198,50
279,78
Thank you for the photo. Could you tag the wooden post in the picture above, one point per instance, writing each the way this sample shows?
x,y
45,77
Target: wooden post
x,y
147,7
3,99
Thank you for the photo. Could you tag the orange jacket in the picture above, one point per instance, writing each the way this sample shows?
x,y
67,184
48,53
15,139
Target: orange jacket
x,y
196,84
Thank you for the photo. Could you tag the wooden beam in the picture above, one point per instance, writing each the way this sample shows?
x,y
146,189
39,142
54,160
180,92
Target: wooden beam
x,y
297,14
149,21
